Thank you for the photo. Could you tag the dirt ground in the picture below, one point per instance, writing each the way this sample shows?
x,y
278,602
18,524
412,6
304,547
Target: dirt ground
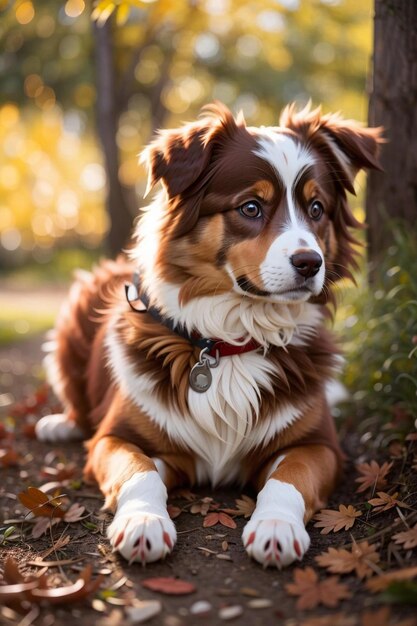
x,y
213,558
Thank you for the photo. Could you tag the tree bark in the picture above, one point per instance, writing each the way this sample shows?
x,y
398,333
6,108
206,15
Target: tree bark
x,y
392,194
120,201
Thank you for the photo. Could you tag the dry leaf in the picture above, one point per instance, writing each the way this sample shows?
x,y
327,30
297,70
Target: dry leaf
x,y
408,538
244,506
203,506
372,475
385,502
40,504
214,518
74,513
183,493
170,586
334,521
313,591
42,525
19,588
9,457
380,583
173,511
61,472
341,561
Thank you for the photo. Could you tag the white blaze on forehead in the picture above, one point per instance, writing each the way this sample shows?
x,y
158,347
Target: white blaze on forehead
x,y
288,159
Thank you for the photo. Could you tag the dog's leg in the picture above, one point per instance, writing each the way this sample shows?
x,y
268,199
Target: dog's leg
x,y
142,529
295,485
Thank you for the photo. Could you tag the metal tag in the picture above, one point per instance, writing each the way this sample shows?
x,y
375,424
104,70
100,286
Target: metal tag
x,y
200,377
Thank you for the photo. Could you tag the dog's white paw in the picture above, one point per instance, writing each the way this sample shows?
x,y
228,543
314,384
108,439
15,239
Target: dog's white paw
x,y
142,529
57,428
275,542
275,534
143,537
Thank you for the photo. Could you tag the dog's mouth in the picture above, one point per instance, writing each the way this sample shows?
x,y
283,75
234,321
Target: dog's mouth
x,y
300,292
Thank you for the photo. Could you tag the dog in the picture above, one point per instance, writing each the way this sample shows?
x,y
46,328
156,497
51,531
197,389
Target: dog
x,y
201,355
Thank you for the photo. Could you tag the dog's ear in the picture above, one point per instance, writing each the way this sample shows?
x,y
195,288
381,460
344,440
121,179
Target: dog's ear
x,y
346,145
179,157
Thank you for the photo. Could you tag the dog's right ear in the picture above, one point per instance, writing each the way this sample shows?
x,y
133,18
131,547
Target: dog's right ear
x,y
179,157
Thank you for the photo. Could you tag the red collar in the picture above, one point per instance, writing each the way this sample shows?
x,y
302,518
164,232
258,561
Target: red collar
x,y
222,348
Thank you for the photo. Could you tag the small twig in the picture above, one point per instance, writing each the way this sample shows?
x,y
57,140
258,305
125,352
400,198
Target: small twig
x,y
385,530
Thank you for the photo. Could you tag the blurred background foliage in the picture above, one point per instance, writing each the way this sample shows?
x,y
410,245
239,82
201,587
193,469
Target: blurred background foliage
x,y
170,58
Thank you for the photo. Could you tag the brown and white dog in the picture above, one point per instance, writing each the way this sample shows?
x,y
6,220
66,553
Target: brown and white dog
x,y
237,255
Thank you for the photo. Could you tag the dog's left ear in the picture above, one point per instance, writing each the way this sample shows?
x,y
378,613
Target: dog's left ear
x,y
347,146
179,157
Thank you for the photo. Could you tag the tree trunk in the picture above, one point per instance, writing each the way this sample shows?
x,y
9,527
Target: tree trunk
x,y
120,201
392,194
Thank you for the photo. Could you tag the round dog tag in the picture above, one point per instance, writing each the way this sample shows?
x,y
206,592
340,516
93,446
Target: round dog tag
x,y
200,377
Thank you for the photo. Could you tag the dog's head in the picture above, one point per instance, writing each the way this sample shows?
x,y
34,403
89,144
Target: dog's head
x,y
260,212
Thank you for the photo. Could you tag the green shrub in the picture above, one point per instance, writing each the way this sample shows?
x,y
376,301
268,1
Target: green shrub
x,y
378,323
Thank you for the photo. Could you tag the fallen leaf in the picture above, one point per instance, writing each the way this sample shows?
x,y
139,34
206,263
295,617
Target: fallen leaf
x,y
61,472
20,589
9,457
230,612
202,507
383,617
408,538
40,504
143,610
382,582
334,521
173,511
244,506
211,519
341,561
384,502
313,591
184,493
372,475
74,513
170,586
42,525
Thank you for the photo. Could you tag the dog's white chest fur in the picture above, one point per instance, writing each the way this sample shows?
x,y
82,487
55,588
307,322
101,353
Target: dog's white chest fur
x,y
222,425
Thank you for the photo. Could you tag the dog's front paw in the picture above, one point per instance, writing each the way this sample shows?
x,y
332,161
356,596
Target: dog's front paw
x,y
57,427
143,537
142,529
275,542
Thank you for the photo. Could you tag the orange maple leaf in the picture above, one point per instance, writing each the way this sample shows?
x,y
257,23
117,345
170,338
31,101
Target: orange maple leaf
x,y
385,502
313,591
334,521
244,506
341,561
373,475
408,538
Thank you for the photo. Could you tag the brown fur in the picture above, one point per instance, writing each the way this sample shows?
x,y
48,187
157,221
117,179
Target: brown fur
x,y
202,167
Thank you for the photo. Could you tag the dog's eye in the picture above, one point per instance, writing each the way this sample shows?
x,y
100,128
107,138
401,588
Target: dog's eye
x,y
251,209
316,210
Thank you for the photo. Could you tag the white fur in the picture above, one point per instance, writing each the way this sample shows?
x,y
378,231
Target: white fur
x,y
277,272
276,524
288,159
142,529
221,427
57,428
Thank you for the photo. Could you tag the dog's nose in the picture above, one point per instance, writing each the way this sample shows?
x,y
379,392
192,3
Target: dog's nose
x,y
307,263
